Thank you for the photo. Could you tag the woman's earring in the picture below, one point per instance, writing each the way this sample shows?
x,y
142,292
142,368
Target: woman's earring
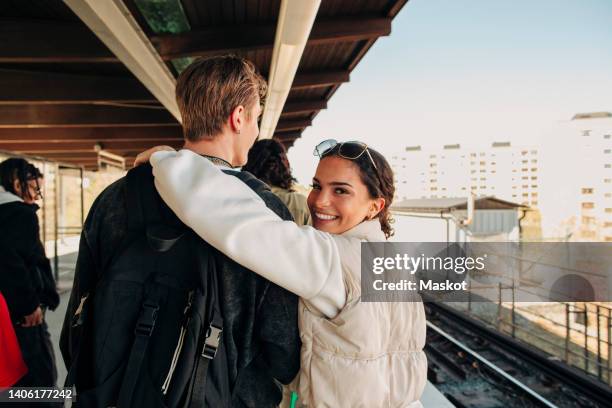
x,y
238,131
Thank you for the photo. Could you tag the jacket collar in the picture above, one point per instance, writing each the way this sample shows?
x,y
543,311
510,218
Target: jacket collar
x,y
367,230
7,197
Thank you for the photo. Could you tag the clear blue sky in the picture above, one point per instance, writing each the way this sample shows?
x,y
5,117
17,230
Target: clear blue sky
x,y
471,72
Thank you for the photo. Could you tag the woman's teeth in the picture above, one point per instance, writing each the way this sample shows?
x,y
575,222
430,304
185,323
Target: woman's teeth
x,y
325,216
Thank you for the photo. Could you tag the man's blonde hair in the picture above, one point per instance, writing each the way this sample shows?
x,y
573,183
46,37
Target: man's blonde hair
x,y
209,89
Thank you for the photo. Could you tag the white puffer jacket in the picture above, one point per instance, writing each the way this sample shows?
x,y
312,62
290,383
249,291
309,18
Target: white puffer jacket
x,y
354,354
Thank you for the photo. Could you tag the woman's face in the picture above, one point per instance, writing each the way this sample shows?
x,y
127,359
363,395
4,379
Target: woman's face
x,y
339,200
34,192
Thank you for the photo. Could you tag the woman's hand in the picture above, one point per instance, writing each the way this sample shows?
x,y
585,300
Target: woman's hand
x,y
144,157
33,319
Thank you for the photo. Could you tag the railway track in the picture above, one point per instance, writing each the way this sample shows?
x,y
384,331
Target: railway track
x,y
475,366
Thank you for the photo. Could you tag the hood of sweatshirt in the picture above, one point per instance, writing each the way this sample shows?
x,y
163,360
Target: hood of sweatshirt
x,y
7,197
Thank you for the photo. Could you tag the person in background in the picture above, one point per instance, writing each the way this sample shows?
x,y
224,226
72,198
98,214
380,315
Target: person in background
x,y
268,162
12,367
26,279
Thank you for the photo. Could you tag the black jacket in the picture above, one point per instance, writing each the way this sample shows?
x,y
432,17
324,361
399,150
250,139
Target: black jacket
x,y
260,319
26,279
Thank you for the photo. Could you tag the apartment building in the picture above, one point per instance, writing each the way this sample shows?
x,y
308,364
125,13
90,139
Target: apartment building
x,y
502,170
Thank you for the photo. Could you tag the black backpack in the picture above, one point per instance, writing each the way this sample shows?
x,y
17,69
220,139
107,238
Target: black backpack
x,y
149,327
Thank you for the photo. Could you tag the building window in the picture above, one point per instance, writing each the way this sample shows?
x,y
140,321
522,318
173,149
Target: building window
x,y
534,177
606,136
534,169
607,224
607,151
588,206
534,203
607,166
609,210
588,220
587,191
482,163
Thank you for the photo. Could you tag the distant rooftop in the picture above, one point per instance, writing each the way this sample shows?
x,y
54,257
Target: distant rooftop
x,y
445,205
592,115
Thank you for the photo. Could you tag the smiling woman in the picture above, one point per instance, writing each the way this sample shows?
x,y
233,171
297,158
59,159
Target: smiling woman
x,y
353,183
348,351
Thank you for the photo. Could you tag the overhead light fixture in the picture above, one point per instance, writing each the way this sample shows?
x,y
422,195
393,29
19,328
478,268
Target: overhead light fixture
x,y
295,22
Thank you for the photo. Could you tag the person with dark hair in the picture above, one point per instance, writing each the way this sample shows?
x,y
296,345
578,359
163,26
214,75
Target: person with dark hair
x,y
268,162
354,353
26,279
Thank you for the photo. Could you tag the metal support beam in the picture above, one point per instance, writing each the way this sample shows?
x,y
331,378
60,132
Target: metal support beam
x,y
34,87
113,23
48,116
293,124
226,40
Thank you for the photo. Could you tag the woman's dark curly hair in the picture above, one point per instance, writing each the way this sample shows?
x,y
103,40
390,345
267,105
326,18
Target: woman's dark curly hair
x,y
378,180
268,162
18,169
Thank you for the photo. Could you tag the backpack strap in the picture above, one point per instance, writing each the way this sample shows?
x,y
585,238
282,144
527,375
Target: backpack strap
x,y
142,335
250,180
144,217
212,331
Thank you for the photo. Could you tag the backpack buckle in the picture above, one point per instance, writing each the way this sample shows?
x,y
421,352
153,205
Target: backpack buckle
x,y
146,321
211,343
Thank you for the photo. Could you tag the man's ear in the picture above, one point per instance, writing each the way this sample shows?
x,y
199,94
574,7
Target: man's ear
x,y
237,119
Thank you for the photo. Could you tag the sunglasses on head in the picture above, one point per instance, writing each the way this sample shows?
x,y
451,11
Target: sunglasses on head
x,y
351,150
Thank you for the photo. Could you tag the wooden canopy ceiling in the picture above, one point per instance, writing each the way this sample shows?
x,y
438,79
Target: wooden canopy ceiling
x,y
65,96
